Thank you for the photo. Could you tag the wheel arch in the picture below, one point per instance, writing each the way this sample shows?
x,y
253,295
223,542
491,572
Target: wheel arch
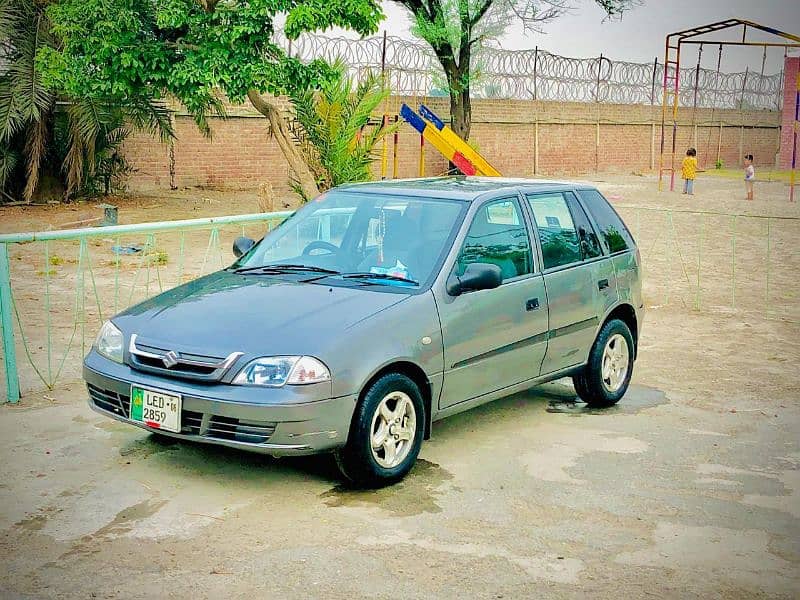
x,y
627,314
415,373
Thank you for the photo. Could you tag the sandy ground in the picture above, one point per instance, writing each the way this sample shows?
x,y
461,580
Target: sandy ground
x,y
688,488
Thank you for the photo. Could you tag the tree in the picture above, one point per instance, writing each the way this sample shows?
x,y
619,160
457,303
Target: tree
x,y
196,50
456,29
44,131
335,122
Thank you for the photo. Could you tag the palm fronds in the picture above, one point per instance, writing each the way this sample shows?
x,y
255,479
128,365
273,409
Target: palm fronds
x,y
337,122
45,131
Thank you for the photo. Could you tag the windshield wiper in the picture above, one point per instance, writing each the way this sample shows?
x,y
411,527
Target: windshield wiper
x,y
386,276
283,268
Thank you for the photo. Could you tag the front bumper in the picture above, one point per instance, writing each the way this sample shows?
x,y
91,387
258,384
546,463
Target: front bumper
x,y
268,421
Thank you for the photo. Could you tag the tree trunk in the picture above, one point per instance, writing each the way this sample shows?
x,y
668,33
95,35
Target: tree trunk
x,y
305,177
460,111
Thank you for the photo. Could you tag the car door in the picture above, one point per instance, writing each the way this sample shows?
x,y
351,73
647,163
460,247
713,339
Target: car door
x,y
619,244
578,277
494,338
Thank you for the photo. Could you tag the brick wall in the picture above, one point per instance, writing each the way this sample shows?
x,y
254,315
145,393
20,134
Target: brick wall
x,y
790,83
519,137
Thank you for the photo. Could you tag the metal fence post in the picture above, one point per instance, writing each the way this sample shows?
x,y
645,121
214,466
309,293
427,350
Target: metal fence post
x,y
6,322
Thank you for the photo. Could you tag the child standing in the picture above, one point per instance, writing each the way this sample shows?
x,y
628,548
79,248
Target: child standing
x,y
749,175
689,171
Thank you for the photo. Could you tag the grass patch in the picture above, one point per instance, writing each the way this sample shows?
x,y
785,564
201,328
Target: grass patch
x,y
158,257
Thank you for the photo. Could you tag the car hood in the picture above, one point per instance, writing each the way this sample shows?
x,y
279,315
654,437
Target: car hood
x,y
258,315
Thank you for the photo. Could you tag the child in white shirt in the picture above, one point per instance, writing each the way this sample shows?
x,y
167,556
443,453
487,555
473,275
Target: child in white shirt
x,y
749,175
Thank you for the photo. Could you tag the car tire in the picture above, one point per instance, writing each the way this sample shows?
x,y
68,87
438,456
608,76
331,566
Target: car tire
x,y
375,455
607,374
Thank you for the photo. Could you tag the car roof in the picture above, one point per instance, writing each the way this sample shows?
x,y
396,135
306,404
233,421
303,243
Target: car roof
x,y
458,187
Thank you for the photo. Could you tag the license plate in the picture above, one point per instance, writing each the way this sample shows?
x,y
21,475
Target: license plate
x,y
156,409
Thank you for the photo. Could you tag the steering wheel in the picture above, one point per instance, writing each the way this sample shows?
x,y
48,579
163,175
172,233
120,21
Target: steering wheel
x,y
320,245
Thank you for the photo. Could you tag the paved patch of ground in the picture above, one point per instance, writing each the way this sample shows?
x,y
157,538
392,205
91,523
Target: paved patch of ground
x,y
688,488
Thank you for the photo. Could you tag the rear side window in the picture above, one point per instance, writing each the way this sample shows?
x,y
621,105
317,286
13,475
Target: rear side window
x,y
615,235
589,243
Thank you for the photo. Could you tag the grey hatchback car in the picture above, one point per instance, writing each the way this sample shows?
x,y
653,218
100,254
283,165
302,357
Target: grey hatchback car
x,y
375,310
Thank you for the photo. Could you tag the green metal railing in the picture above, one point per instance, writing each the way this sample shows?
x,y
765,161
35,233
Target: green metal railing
x,y
688,258
692,259
149,263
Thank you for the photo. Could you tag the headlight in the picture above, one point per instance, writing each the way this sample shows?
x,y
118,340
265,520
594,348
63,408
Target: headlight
x,y
276,371
109,342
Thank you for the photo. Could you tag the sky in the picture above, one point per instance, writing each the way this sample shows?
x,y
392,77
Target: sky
x,y
639,36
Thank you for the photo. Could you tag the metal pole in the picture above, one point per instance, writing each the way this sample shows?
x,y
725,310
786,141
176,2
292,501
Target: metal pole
x,y
744,85
535,70
741,116
71,234
597,112
716,85
597,83
385,117
794,137
696,79
663,114
653,85
653,124
421,156
694,102
396,144
9,350
675,101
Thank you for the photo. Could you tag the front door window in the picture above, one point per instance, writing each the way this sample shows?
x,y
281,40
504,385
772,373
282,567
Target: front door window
x,y
498,236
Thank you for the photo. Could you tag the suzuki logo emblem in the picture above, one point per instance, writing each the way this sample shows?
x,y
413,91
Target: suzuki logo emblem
x,y
170,359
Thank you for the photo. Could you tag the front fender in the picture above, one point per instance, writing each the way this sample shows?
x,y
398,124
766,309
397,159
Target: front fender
x,y
405,332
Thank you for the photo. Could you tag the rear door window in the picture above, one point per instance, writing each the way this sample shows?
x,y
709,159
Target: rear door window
x,y
557,231
613,232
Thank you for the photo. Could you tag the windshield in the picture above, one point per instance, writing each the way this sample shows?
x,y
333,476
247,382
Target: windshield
x,y
387,240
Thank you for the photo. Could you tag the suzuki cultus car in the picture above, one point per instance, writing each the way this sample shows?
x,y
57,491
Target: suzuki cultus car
x,y
376,310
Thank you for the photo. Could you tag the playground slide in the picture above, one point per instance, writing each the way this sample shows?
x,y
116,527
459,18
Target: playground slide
x,y
445,140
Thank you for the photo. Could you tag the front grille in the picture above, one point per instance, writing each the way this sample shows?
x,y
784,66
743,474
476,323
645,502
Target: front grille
x,y
186,365
217,427
191,422
110,401
156,364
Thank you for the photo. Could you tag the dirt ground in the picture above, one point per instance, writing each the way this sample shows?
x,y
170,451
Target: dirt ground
x,y
688,488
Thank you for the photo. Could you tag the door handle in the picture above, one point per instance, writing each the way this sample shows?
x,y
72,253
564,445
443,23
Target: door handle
x,y
532,304
602,284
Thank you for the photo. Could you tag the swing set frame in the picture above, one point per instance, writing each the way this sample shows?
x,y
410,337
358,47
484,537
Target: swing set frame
x,y
670,98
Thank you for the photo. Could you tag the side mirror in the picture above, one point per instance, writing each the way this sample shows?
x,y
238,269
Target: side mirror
x,y
477,276
242,245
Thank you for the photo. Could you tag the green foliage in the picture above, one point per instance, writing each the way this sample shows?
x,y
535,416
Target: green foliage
x,y
719,164
137,50
43,130
335,121
97,168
